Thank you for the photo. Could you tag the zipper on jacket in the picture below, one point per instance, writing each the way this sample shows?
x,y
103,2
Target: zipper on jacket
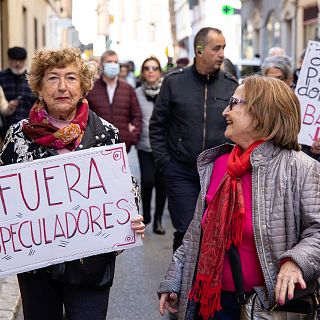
x,y
205,114
260,233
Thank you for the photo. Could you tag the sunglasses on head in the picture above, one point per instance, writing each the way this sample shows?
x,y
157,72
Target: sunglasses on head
x,y
150,68
233,101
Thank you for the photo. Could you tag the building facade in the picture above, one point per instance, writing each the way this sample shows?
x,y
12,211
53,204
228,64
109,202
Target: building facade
x,y
135,29
192,15
289,24
34,24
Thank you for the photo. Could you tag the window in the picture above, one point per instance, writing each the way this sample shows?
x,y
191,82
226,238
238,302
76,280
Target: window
x,y
25,27
247,40
310,24
193,3
35,33
43,35
273,31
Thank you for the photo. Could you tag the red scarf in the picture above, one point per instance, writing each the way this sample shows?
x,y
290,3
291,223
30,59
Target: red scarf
x,y
41,131
222,227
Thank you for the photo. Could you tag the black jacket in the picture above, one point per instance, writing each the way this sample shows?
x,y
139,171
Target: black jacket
x,y
187,117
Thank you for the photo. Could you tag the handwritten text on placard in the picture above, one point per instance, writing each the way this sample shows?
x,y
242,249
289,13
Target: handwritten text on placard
x,y
308,92
65,207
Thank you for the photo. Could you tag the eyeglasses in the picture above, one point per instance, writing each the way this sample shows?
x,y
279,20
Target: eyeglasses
x,y
150,68
233,101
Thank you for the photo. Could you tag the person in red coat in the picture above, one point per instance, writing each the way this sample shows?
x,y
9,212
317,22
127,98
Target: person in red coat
x,y
115,100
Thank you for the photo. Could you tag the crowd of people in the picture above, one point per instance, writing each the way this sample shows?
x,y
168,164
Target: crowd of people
x,y
243,194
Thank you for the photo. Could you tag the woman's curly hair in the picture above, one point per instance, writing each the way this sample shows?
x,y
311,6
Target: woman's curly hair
x,y
45,60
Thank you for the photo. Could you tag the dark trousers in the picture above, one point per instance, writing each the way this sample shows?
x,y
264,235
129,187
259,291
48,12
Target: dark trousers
x,y
151,178
44,298
183,187
230,309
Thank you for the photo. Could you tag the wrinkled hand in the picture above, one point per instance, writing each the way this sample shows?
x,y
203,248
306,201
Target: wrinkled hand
x,y
131,127
289,276
137,225
167,300
315,148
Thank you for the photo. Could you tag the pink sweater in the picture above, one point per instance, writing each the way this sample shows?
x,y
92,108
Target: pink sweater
x,y
252,273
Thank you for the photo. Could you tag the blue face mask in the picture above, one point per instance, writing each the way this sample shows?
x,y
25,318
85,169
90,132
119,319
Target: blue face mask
x,y
111,70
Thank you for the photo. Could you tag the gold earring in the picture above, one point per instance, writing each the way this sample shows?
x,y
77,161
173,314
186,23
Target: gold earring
x,y
41,101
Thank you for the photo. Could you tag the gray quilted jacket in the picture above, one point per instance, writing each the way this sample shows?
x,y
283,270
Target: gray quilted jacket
x,y
286,221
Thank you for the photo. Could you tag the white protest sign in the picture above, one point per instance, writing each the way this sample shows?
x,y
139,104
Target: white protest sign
x,y
65,207
308,93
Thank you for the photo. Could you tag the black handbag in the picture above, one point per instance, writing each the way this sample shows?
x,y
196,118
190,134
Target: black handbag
x,y
304,305
91,273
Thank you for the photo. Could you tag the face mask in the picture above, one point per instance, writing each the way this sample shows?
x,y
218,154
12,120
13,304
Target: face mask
x,y
111,70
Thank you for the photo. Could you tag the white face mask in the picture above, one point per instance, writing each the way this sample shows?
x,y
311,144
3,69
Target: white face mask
x,y
111,70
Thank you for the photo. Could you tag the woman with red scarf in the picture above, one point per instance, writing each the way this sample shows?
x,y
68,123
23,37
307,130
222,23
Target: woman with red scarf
x,y
259,202
59,122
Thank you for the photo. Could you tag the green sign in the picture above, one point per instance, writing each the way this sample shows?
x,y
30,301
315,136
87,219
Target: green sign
x,y
227,10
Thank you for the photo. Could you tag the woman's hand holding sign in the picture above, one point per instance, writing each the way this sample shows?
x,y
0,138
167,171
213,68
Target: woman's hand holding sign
x,y
137,225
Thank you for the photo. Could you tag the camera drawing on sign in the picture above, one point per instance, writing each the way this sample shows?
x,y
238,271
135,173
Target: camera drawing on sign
x,y
69,204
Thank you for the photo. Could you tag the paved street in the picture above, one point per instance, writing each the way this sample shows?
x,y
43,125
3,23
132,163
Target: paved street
x,y
1,281
138,273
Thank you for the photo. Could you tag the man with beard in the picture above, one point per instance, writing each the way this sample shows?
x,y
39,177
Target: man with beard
x,y
187,119
16,89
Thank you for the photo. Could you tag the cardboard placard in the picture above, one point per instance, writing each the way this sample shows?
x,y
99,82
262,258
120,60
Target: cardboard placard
x,y
65,207
308,92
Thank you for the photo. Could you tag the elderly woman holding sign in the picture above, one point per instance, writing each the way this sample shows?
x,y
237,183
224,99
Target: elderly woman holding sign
x,y
255,237
61,122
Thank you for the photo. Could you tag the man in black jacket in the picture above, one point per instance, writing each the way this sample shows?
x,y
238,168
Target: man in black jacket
x,y
186,120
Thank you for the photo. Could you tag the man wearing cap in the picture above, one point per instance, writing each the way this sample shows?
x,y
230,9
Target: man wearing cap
x,y
16,89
